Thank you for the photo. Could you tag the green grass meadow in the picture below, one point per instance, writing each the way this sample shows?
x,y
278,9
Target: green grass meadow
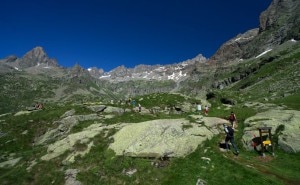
x,y
102,166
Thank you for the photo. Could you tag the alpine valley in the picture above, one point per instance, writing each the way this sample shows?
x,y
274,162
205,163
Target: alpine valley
x,y
91,130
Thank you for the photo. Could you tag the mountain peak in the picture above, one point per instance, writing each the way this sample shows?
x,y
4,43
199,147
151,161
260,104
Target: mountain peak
x,y
37,56
36,53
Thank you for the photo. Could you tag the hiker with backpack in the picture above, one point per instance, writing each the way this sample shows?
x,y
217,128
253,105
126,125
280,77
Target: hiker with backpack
x,y
230,137
232,119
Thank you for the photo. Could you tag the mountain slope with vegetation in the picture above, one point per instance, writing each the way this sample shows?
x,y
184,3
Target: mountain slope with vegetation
x,y
69,140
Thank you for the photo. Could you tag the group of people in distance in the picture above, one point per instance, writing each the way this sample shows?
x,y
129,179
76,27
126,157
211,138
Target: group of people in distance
x,y
229,130
199,109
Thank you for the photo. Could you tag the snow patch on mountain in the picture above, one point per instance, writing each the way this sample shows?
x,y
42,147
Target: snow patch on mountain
x,y
37,61
174,72
176,76
263,53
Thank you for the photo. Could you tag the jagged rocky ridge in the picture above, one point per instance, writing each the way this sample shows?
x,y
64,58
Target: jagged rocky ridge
x,y
174,72
34,57
278,24
43,81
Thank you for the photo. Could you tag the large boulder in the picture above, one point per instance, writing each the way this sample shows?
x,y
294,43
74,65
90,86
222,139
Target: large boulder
x,y
64,126
69,142
162,138
288,120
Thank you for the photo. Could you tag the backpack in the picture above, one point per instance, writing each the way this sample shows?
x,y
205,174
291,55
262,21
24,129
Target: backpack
x,y
230,132
231,117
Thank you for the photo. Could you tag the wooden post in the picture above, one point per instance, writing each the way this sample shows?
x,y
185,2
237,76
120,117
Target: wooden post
x,y
261,140
268,131
272,146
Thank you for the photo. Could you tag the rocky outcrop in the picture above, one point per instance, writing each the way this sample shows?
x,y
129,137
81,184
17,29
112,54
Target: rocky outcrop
x,y
176,71
69,142
233,50
285,126
10,162
279,23
77,71
95,72
238,73
70,177
64,126
35,57
163,138
282,14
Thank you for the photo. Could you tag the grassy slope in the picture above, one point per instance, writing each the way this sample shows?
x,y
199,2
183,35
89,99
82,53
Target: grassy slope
x,y
101,166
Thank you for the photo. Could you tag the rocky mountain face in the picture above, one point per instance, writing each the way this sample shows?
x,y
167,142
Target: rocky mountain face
x,y
85,113
279,23
36,57
232,50
176,72
147,79
95,72
283,18
77,71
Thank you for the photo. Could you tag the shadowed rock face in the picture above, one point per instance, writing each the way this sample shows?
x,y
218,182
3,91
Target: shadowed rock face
x,y
289,120
279,23
163,138
233,49
272,17
35,56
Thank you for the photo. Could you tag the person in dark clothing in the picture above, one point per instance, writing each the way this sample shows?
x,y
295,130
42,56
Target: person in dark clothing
x,y
230,137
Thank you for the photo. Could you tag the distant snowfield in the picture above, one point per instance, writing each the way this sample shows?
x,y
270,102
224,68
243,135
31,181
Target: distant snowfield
x,y
105,76
176,76
159,73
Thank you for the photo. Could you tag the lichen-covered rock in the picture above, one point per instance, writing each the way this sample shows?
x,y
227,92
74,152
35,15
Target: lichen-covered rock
x,y
68,113
10,163
64,126
289,138
68,143
161,138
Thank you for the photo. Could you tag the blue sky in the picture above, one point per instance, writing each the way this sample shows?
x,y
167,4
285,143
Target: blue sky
x,y
110,33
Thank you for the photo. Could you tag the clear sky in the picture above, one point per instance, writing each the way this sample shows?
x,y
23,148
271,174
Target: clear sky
x,y
110,33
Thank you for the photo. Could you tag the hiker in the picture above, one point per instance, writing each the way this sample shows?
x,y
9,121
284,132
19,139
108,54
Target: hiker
x,y
199,107
232,119
206,110
230,137
140,108
133,102
41,106
38,106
